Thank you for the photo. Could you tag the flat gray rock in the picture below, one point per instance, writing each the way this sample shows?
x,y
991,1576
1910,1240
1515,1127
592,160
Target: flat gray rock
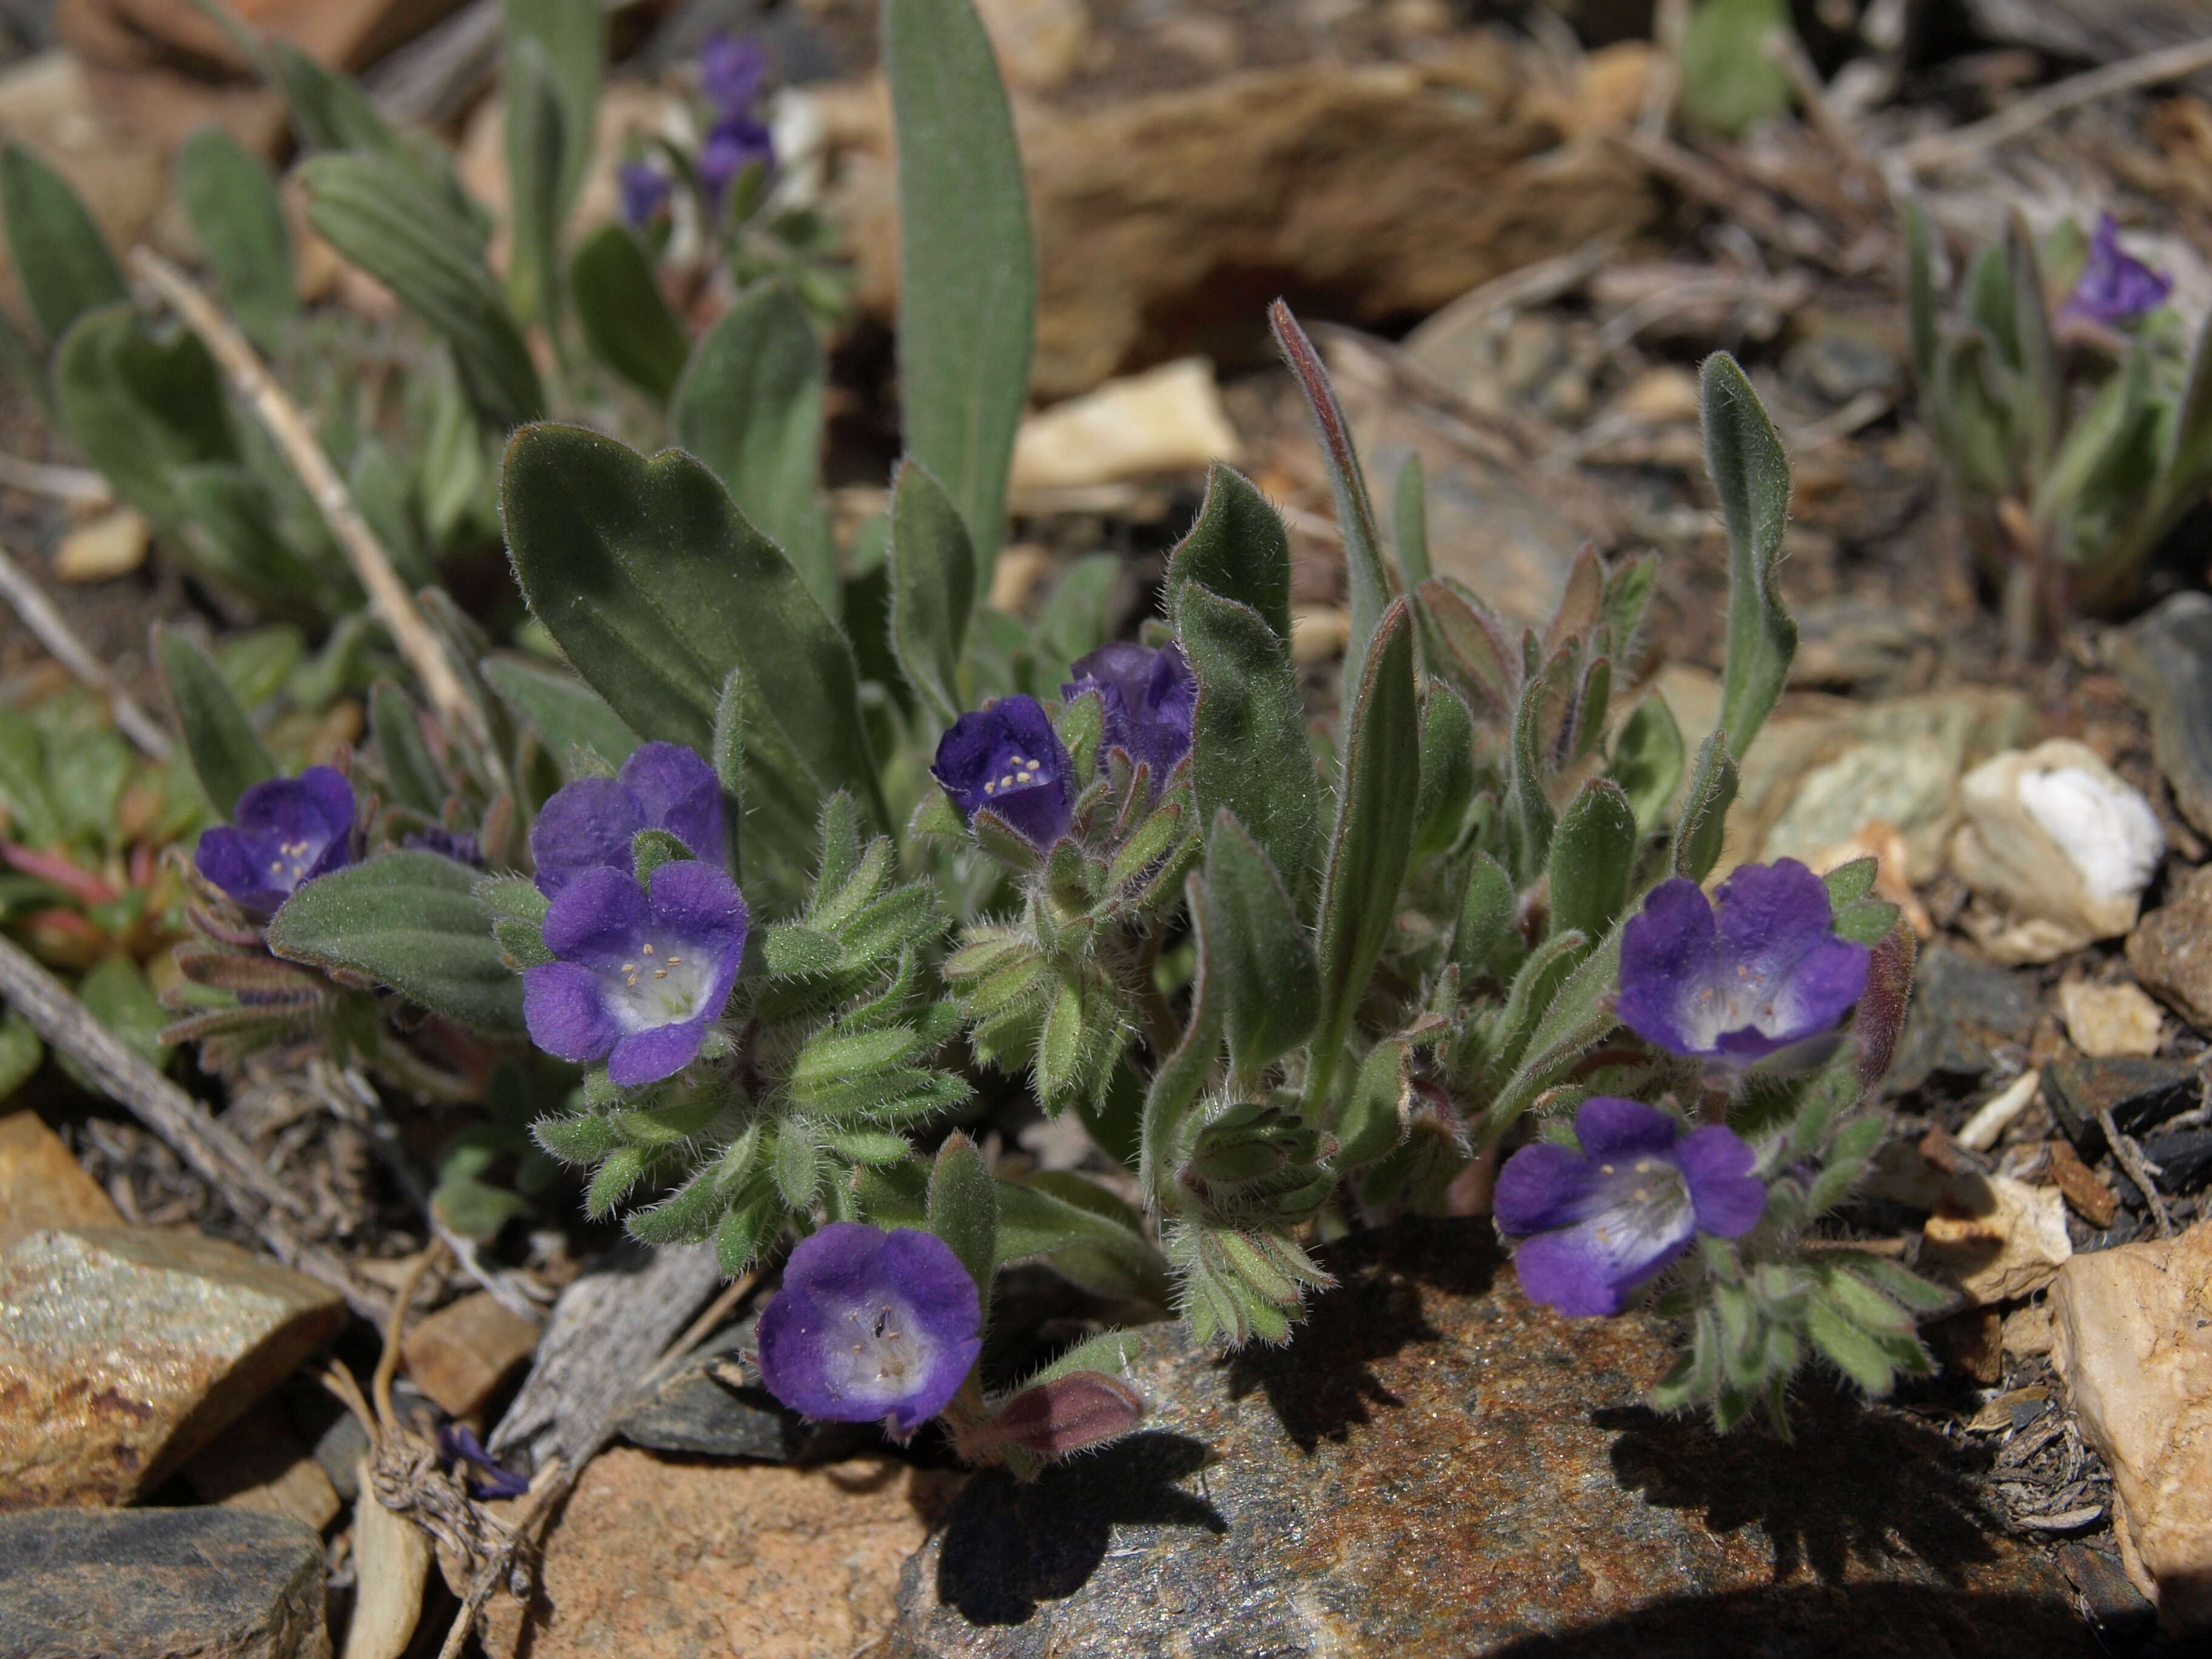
x,y
712,1406
2166,659
1435,1468
199,1583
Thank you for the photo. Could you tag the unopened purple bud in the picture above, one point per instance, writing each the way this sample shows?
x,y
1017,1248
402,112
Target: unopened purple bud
x,y
1595,1225
1763,972
1008,758
870,1327
1148,696
2114,287
734,144
639,973
645,190
283,834
589,824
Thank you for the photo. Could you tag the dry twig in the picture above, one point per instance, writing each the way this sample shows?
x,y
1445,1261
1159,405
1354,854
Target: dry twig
x,y
219,1157
2140,1170
1963,143
416,642
53,630
77,484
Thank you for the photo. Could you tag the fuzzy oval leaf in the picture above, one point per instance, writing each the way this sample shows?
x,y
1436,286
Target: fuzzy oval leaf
x,y
1751,476
1593,855
142,407
408,920
626,321
61,256
1249,749
1259,955
227,755
1237,549
963,1208
230,197
567,714
932,577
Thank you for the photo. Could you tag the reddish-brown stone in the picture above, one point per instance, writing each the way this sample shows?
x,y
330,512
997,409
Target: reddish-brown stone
x,y
1435,1466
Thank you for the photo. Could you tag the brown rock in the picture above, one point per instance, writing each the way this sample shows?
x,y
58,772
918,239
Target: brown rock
x,y
124,1350
1165,223
260,1462
654,1559
460,1354
2170,951
2091,1199
42,1186
2132,1337
1434,1467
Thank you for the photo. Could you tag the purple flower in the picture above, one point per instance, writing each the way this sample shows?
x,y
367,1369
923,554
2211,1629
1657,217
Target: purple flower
x,y
640,973
734,144
871,1326
2114,287
645,190
730,71
1765,974
282,833
1148,696
588,824
1596,1223
459,1447
1008,758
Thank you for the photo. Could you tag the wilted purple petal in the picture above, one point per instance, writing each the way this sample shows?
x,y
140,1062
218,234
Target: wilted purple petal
x,y
284,833
871,1326
1007,757
2114,287
590,824
676,791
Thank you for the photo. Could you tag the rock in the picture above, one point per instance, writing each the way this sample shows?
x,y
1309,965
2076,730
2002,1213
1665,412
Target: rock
x,y
259,1463
391,1564
1039,42
1999,1239
2165,659
124,1350
2026,1331
2138,1092
2108,1021
1165,222
1434,1465
1168,419
1848,642
2183,1157
1964,1012
2114,1605
2133,1340
2000,1112
460,1354
42,1186
2171,951
112,545
212,1583
2085,1191
1882,842
654,1560
711,1406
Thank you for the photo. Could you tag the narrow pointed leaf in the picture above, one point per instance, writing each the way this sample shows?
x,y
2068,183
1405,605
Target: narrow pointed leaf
x,y
567,714
61,256
1703,825
1269,979
932,576
963,1208
1409,522
1751,475
1249,749
1237,549
230,197
226,754
1592,854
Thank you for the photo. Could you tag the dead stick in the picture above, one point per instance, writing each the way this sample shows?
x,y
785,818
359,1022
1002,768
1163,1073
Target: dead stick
x,y
53,630
79,484
2168,63
2130,1158
388,593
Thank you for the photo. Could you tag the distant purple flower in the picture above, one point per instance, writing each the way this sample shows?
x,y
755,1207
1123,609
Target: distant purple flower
x,y
871,1326
730,70
458,1446
1148,695
1007,757
2114,287
1596,1223
1765,974
588,824
640,973
732,145
283,833
645,189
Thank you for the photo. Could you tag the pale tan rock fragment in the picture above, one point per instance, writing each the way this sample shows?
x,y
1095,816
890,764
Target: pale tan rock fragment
x,y
42,1186
2000,1238
2109,1020
2132,1337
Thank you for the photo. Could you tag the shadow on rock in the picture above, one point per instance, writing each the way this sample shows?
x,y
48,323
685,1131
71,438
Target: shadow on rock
x,y
1816,1621
1008,1547
1853,1481
1322,1383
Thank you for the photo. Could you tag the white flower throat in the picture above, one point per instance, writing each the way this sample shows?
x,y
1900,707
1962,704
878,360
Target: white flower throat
x,y
660,986
876,1353
292,859
1644,1204
1744,998
1016,772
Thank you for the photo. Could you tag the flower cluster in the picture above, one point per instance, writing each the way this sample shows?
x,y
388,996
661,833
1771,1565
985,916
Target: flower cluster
x,y
284,833
1762,978
730,73
1007,760
639,972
